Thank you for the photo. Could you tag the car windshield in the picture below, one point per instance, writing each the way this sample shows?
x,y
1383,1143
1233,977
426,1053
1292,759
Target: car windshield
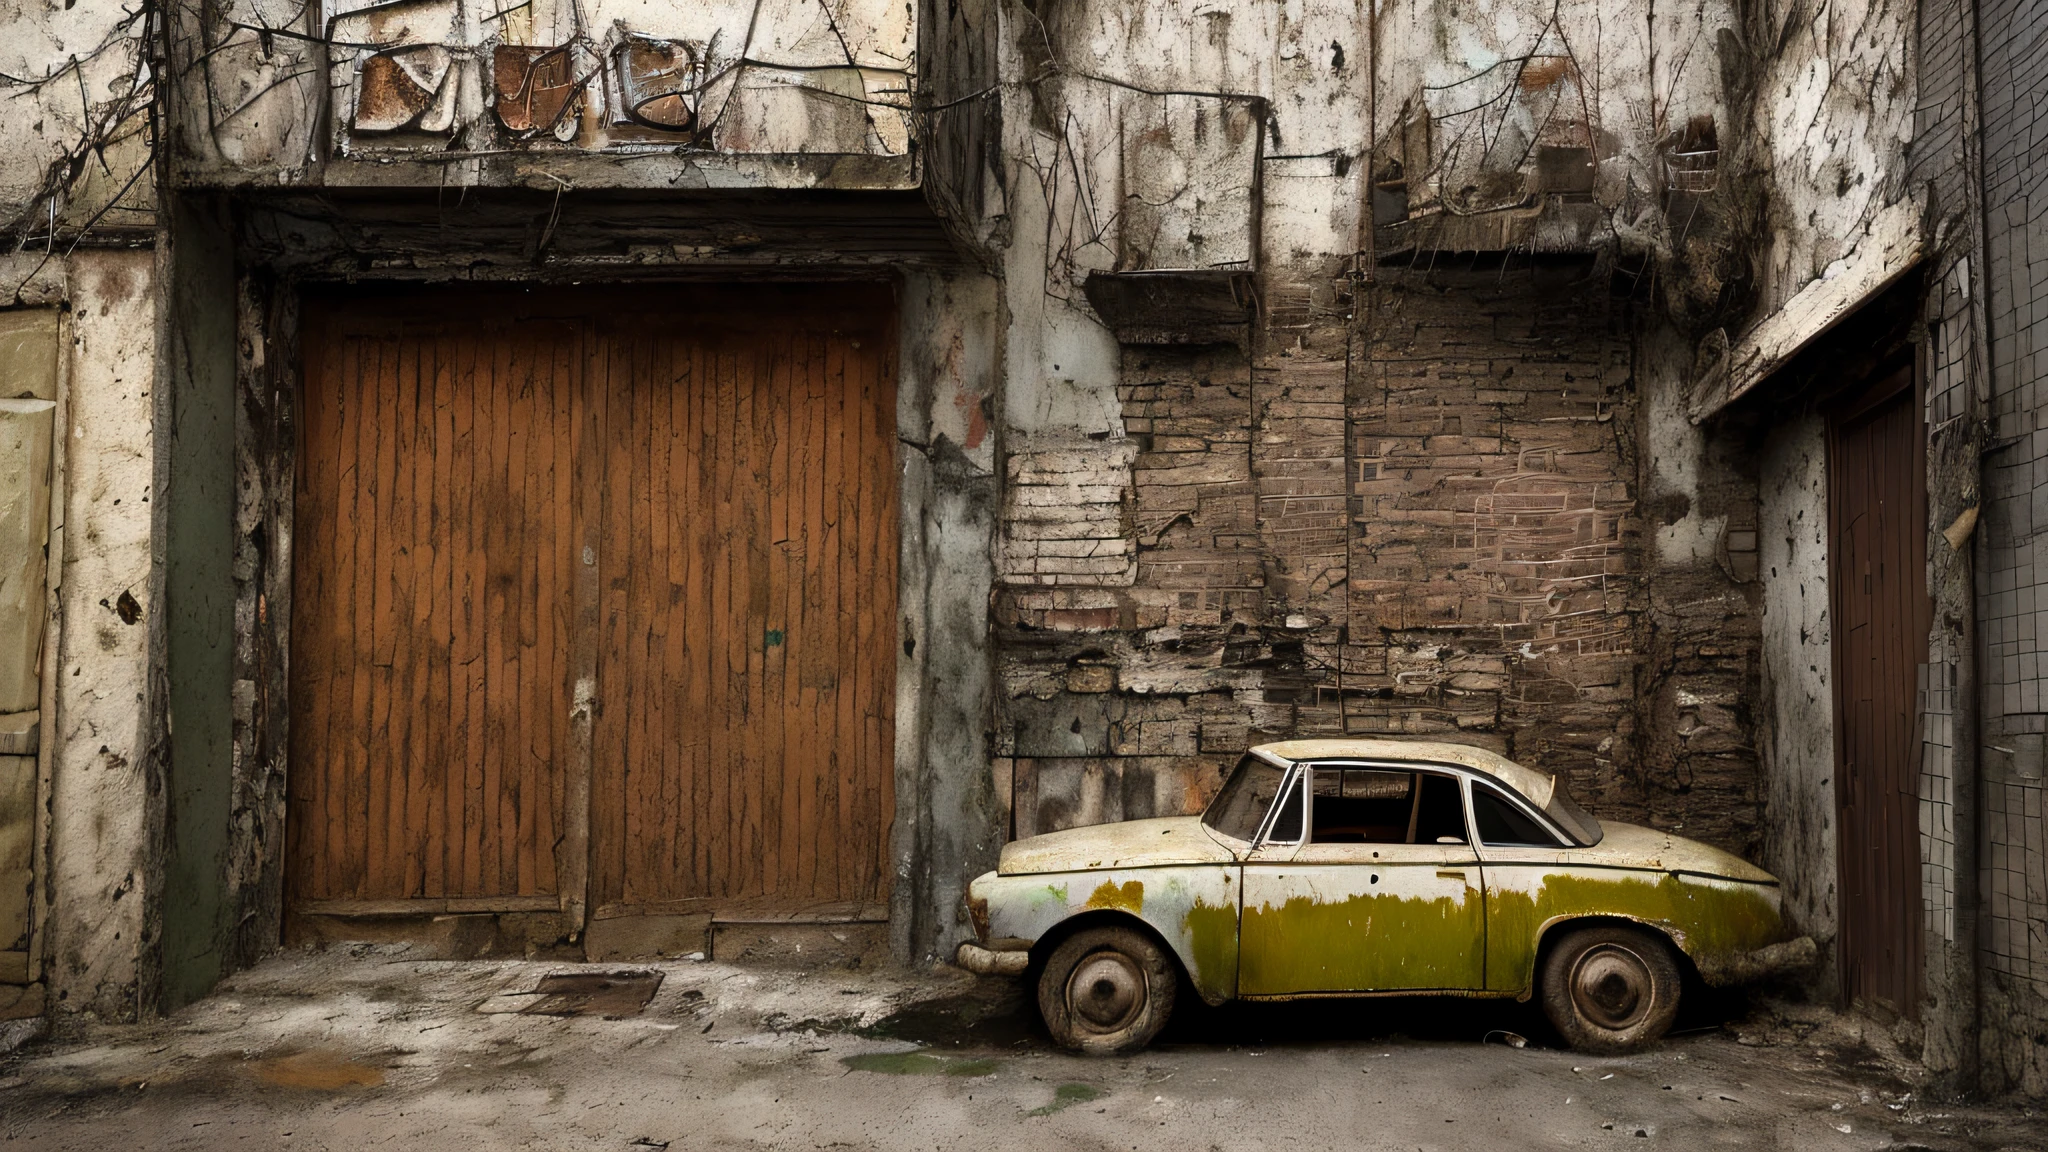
x,y
1237,810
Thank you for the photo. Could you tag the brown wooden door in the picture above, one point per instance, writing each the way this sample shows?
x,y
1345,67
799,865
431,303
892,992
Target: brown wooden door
x,y
429,673
1878,589
744,756
678,506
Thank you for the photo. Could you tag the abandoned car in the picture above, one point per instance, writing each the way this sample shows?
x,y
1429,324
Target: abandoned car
x,y
1375,867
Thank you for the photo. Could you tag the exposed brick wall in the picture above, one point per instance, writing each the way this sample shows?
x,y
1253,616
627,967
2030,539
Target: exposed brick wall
x,y
1423,524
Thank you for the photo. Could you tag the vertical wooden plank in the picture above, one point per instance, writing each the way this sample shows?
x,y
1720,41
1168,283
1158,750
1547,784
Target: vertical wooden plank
x,y
775,759
739,492
752,530
663,562
648,620
324,438
811,660
356,799
466,675
407,751
483,513
676,516
440,626
534,697
562,551
697,603
516,391
838,592
575,861
384,620
642,775
313,672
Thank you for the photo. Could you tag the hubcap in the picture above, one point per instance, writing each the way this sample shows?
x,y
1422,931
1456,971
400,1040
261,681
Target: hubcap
x,y
1611,986
1106,990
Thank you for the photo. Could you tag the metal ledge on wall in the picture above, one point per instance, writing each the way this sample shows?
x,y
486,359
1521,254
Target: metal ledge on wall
x,y
1192,306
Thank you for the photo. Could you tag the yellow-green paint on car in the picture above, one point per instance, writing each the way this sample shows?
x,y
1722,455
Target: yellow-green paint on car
x,y
1707,917
1212,949
1305,946
1128,896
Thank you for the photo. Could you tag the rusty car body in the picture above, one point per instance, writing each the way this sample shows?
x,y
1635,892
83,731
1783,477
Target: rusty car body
x,y
1377,867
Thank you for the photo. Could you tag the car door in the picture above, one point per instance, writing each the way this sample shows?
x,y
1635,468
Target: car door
x,y
1371,886
1530,877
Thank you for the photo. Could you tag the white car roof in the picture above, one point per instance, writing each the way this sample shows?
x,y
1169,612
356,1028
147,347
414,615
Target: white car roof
x,y
1534,785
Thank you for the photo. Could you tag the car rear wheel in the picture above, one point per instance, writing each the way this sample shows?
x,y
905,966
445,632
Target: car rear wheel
x,y
1610,989
1106,990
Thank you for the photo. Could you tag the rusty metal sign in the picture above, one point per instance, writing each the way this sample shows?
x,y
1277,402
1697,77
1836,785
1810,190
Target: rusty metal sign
x,y
396,88
534,86
658,80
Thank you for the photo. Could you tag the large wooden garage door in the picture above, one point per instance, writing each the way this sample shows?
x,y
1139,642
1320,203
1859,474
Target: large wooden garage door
x,y
593,604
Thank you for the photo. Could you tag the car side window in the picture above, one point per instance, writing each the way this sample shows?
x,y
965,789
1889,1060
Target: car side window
x,y
1439,812
1383,806
1287,821
1361,805
1502,825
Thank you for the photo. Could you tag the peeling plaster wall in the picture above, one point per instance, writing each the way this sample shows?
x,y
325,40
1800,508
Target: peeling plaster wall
x,y
949,811
1796,736
1831,119
105,803
1504,81
75,136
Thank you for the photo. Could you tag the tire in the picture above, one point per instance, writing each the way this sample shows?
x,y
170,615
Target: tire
x,y
1106,991
1609,989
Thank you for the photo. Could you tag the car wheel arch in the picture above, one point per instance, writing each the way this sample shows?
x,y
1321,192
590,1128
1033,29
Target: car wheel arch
x,y
1558,928
1099,918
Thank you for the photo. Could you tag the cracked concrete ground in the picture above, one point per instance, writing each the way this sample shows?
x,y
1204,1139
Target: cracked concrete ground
x,y
366,1046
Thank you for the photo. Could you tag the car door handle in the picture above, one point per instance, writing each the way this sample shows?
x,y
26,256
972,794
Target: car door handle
x,y
1450,874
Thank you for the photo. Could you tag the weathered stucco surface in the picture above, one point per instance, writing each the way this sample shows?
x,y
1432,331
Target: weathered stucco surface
x,y
75,134
101,843
1796,735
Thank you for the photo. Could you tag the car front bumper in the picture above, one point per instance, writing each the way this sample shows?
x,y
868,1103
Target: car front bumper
x,y
1006,961
1748,967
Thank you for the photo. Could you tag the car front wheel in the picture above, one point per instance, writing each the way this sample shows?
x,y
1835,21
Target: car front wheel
x,y
1610,989
1106,991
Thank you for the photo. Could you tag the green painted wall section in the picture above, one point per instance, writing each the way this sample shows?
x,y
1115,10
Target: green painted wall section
x,y
199,596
